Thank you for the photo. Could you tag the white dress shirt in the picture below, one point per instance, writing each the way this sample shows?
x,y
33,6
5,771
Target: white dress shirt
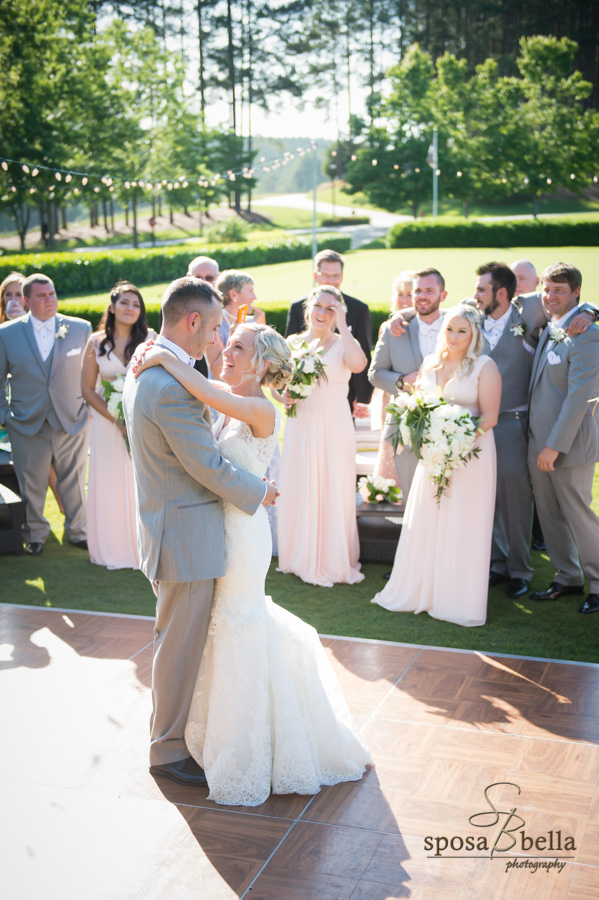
x,y
494,328
44,335
179,352
427,335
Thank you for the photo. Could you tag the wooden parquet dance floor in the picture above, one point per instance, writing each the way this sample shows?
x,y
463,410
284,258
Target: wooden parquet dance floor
x,y
82,817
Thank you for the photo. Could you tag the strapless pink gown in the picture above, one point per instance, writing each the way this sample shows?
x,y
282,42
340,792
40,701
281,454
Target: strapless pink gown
x,y
318,533
442,560
111,516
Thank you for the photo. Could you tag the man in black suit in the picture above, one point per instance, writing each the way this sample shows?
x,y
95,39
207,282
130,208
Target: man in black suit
x,y
328,269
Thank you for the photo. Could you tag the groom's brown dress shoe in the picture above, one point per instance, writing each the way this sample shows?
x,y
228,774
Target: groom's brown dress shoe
x,y
557,590
184,771
590,605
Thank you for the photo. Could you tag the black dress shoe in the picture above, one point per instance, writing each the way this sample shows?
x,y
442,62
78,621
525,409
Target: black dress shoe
x,y
539,544
517,587
81,544
557,590
590,605
184,771
496,578
34,547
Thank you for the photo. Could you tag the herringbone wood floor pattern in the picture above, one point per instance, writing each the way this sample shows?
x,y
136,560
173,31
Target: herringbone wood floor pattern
x,y
82,818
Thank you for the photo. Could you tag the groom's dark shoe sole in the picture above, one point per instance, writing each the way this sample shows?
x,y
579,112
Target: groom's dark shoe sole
x,y
184,771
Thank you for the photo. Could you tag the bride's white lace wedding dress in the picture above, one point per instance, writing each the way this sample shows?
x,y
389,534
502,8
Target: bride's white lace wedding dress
x,y
267,712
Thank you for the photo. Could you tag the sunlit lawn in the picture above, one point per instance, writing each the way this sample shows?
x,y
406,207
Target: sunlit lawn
x,y
369,273
62,576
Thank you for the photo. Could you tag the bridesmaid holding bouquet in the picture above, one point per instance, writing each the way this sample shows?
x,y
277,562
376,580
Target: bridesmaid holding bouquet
x,y
111,517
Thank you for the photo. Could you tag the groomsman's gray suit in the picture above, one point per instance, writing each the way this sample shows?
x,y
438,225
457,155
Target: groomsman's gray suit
x,y
392,357
512,526
47,420
180,479
561,418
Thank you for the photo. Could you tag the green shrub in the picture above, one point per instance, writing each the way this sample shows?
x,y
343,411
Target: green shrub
x,y
337,221
232,231
79,273
548,232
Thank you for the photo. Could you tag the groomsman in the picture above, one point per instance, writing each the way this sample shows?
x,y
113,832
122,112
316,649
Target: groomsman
x,y
328,269
46,418
564,440
396,360
512,327
527,280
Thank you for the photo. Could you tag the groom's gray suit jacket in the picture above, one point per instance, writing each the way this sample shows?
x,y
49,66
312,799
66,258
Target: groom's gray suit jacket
x,y
38,389
180,478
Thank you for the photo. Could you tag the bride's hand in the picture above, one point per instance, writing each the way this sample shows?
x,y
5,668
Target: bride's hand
x,y
146,356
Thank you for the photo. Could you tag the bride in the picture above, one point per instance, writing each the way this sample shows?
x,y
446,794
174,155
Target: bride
x,y
267,712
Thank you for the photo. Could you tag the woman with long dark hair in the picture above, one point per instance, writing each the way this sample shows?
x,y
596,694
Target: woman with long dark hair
x,y
111,521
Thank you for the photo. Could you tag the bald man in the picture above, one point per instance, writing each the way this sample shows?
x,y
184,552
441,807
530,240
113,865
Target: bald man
x,y
527,280
205,268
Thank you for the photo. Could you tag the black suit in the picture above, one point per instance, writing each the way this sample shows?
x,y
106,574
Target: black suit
x,y
360,324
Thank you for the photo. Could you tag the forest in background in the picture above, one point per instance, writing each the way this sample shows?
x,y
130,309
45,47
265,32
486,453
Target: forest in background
x,y
106,102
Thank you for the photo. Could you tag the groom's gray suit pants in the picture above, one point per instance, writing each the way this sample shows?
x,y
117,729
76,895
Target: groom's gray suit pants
x,y
182,618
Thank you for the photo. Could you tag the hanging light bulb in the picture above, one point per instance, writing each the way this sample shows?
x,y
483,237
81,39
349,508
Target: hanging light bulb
x,y
68,178
375,162
459,174
35,172
25,169
5,165
58,176
84,180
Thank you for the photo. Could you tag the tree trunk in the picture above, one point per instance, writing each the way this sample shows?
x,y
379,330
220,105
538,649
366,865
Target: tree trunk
x,y
21,213
43,224
111,214
63,214
535,206
105,215
202,76
170,214
466,208
127,214
134,204
50,225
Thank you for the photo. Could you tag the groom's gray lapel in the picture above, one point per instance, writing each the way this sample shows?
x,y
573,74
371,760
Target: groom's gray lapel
x,y
30,336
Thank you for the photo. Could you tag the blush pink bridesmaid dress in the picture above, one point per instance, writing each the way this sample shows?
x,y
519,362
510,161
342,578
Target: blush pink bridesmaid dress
x,y
318,533
111,515
442,560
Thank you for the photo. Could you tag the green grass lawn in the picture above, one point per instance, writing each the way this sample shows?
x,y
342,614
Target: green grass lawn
x,y
63,577
369,273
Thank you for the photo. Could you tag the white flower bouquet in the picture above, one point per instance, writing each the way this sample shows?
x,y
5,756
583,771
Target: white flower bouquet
x,y
113,394
379,489
441,434
308,367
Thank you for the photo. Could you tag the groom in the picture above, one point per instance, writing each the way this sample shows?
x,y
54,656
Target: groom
x,y
180,479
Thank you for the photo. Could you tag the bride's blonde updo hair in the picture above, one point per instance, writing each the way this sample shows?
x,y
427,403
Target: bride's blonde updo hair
x,y
477,342
270,347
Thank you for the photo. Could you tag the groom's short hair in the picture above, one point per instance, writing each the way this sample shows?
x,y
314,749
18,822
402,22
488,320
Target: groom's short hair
x,y
187,295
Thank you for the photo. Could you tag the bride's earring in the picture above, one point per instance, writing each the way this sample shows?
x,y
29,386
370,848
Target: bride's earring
x,y
258,379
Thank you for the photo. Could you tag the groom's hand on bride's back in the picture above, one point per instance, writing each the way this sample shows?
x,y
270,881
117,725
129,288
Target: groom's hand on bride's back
x,y
271,494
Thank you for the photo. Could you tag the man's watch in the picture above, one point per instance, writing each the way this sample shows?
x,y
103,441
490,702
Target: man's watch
x,y
399,383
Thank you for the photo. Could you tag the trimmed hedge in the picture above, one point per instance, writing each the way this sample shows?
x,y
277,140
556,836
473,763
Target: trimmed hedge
x,y
79,273
339,221
276,314
446,232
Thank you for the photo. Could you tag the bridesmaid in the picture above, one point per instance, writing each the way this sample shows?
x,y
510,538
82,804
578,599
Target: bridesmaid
x,y
111,518
318,534
12,303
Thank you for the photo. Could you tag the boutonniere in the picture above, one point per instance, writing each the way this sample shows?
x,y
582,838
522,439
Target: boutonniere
x,y
518,329
557,335
62,331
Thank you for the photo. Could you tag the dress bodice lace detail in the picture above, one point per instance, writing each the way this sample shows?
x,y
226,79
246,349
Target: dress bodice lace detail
x,y
237,444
